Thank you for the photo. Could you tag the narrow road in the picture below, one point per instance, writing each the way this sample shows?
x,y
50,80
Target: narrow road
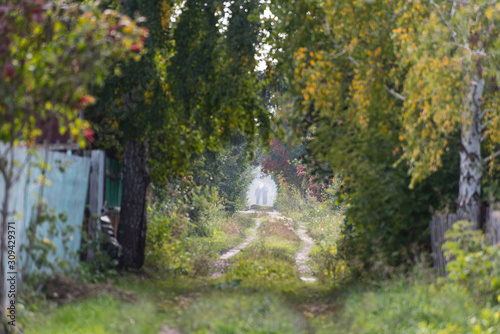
x,y
301,256
221,264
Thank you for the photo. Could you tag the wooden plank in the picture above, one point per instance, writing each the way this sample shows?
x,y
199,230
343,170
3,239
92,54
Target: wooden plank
x,y
440,223
493,226
96,196
60,146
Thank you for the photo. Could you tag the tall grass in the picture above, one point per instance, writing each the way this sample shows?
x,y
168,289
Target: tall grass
x,y
243,313
101,315
180,244
403,307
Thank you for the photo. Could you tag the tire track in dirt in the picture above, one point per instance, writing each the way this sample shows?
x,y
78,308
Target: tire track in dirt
x,y
302,255
222,264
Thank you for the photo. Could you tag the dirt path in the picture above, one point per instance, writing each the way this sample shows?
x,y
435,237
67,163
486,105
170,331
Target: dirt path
x,y
302,255
221,264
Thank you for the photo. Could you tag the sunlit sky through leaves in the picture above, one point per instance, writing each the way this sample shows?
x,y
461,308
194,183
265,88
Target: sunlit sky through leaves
x,y
263,50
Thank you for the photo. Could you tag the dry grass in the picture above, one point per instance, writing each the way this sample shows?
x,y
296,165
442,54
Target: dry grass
x,y
62,289
280,228
234,229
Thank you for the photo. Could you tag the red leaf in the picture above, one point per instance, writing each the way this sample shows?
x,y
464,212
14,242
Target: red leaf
x,y
9,70
89,135
135,48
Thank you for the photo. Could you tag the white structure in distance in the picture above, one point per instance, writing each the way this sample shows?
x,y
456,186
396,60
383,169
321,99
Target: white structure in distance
x,y
262,190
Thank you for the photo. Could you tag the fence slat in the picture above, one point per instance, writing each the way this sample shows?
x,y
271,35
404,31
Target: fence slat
x,y
440,223
493,226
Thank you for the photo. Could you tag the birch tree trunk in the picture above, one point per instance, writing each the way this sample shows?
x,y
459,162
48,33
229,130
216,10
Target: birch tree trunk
x,y
133,221
469,197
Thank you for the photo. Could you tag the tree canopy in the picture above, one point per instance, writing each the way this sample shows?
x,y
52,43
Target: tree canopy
x,y
192,91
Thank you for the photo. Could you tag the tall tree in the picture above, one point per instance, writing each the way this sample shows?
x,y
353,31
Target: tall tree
x,y
50,55
450,50
226,170
192,90
344,100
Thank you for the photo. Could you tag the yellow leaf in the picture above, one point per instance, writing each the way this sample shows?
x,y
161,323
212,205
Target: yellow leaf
x,y
489,13
78,123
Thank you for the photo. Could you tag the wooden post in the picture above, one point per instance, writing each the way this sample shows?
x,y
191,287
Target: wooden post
x,y
493,226
440,223
96,197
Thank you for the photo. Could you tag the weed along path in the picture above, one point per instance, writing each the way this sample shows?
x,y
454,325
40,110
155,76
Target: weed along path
x,y
222,264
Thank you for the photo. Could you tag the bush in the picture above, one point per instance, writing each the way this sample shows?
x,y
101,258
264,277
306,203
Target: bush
x,y
187,244
290,201
475,267
165,243
473,263
406,306
206,212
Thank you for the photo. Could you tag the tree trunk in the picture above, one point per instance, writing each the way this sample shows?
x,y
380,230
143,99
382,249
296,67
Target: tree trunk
x,y
469,197
133,223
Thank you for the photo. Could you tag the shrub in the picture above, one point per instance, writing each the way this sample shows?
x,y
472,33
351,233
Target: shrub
x,y
290,201
472,261
165,243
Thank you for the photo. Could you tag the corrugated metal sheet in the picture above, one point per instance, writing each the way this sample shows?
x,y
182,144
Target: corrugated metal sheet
x,y
113,183
65,193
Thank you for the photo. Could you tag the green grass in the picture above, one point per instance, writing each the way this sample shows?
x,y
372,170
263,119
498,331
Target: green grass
x,y
269,259
260,263
401,307
242,313
230,234
104,314
159,301
200,306
220,306
262,293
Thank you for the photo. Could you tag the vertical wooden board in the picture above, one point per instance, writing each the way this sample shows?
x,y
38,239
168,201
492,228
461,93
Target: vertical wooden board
x,y
493,226
96,195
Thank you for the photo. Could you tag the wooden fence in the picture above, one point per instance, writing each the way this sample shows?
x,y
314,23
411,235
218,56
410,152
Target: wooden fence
x,y
493,226
440,223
